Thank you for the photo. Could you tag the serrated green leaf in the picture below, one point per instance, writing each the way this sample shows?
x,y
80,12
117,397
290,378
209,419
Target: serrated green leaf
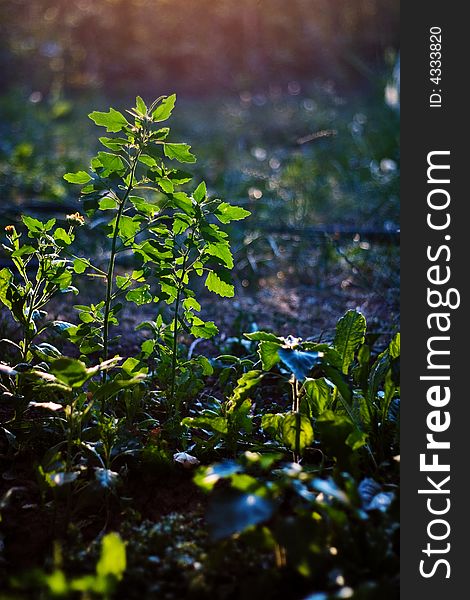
x,y
394,347
80,177
179,152
245,384
318,395
296,431
147,160
61,235
191,304
6,277
71,371
80,265
356,439
164,109
107,204
203,329
140,295
35,226
269,354
140,106
215,424
113,120
271,424
207,368
144,206
115,144
225,212
128,228
24,250
183,202
166,185
350,334
216,284
110,163
220,250
161,134
133,366
263,336
200,192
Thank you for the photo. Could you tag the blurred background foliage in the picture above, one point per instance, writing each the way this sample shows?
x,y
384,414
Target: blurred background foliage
x,y
195,46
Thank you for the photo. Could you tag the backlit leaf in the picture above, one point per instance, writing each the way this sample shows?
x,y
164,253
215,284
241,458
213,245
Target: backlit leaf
x,y
113,557
225,212
216,284
232,512
269,354
80,177
164,109
350,332
179,152
113,120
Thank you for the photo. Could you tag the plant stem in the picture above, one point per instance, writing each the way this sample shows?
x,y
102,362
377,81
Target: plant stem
x,y
27,338
296,408
175,331
112,261
175,348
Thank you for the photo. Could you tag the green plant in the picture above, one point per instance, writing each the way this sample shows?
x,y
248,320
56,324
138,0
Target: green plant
x,y
40,271
341,401
337,392
172,233
110,570
228,421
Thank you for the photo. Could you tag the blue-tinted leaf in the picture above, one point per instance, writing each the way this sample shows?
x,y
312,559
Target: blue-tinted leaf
x,y
329,488
232,512
372,495
106,478
298,362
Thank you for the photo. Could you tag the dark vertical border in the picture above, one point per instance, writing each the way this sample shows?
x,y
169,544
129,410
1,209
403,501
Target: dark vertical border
x,y
425,129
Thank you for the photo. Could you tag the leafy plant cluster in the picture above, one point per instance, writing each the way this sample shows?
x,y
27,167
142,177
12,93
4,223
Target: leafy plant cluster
x,y
299,438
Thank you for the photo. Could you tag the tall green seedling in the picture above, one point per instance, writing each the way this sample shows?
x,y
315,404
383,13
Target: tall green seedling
x,y
172,229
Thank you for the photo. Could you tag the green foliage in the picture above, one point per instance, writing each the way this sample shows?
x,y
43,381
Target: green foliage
x,y
350,332
109,571
337,395
38,273
171,231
